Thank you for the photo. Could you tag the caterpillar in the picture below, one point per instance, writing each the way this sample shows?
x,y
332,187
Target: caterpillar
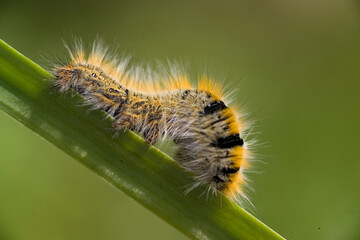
x,y
205,130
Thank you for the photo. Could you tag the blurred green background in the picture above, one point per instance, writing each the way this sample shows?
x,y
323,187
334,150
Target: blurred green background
x,y
296,67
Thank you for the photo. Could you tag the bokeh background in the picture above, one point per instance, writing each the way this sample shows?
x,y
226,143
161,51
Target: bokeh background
x,y
294,64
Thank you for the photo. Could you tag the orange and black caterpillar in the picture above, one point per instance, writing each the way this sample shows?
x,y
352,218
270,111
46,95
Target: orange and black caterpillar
x,y
205,130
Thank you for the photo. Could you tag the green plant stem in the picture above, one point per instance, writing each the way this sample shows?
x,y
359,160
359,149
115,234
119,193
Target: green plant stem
x,y
125,161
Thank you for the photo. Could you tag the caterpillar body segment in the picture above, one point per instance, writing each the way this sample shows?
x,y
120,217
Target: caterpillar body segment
x,y
205,130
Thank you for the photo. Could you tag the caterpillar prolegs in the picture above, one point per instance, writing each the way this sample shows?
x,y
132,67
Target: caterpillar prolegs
x,y
206,131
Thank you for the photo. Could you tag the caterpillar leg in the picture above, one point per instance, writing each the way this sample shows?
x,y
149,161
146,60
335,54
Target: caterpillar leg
x,y
152,134
129,121
125,121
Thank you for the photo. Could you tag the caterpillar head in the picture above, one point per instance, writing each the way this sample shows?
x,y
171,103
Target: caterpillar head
x,y
72,75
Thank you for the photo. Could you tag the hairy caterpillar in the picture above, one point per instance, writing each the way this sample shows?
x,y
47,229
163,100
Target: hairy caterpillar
x,y
205,130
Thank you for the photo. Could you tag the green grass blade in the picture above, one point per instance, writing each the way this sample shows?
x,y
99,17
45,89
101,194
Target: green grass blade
x,y
126,161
